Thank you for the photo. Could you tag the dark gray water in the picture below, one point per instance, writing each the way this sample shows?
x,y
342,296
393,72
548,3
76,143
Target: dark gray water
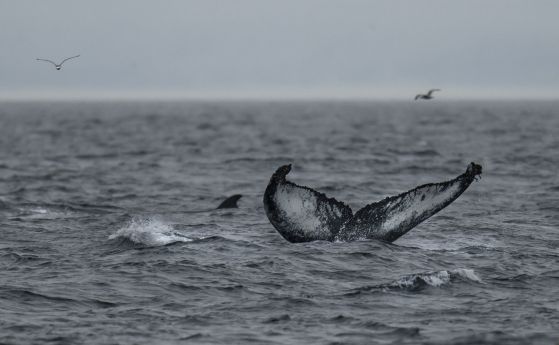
x,y
97,245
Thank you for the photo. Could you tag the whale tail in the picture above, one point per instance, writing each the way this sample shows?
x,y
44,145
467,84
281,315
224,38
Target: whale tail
x,y
394,216
230,202
301,214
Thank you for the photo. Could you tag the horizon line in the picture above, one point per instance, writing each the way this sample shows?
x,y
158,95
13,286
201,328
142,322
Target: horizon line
x,y
342,94
272,99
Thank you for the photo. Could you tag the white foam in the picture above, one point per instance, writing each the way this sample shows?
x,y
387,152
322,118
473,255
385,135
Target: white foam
x,y
435,279
150,232
467,273
438,278
42,213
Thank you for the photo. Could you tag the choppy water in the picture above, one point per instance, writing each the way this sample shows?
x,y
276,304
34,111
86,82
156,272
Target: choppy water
x,y
97,245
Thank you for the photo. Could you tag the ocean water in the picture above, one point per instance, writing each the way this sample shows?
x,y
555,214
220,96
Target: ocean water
x,y
101,242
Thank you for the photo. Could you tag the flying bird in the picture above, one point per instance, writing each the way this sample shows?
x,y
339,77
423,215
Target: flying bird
x,y
428,95
58,66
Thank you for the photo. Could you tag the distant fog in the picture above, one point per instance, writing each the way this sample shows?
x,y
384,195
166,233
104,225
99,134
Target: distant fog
x,y
280,49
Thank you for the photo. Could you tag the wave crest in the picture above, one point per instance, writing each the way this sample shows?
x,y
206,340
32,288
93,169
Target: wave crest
x,y
149,232
435,279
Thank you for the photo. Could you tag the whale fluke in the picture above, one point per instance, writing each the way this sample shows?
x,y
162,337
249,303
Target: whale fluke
x,y
396,215
301,214
230,202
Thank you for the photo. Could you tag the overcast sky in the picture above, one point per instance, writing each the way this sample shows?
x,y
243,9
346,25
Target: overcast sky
x,y
280,48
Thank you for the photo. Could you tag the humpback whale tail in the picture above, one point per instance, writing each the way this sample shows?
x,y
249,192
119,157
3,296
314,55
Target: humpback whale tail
x,y
301,214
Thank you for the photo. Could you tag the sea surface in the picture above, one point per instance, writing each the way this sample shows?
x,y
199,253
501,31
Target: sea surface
x,y
109,233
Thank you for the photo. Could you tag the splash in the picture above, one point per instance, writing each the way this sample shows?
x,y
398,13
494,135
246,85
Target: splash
x,y
149,232
468,274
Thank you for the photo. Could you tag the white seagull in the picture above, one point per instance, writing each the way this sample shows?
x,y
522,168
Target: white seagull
x,y
428,95
58,66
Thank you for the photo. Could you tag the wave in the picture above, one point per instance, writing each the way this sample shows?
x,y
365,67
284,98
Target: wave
x,y
435,279
47,211
420,281
22,295
39,210
40,213
149,232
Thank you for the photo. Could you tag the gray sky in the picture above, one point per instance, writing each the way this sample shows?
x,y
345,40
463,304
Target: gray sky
x,y
277,49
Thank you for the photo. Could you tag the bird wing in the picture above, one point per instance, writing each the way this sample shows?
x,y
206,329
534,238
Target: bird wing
x,y
52,62
431,91
71,57
417,96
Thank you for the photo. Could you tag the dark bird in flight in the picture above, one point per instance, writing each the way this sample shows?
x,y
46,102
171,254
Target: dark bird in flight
x,y
428,95
58,66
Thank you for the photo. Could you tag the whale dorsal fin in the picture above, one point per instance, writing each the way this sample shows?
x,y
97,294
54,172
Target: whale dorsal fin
x,y
230,202
301,214
396,215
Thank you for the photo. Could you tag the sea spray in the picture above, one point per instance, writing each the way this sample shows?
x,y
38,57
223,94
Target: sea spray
x,y
149,232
